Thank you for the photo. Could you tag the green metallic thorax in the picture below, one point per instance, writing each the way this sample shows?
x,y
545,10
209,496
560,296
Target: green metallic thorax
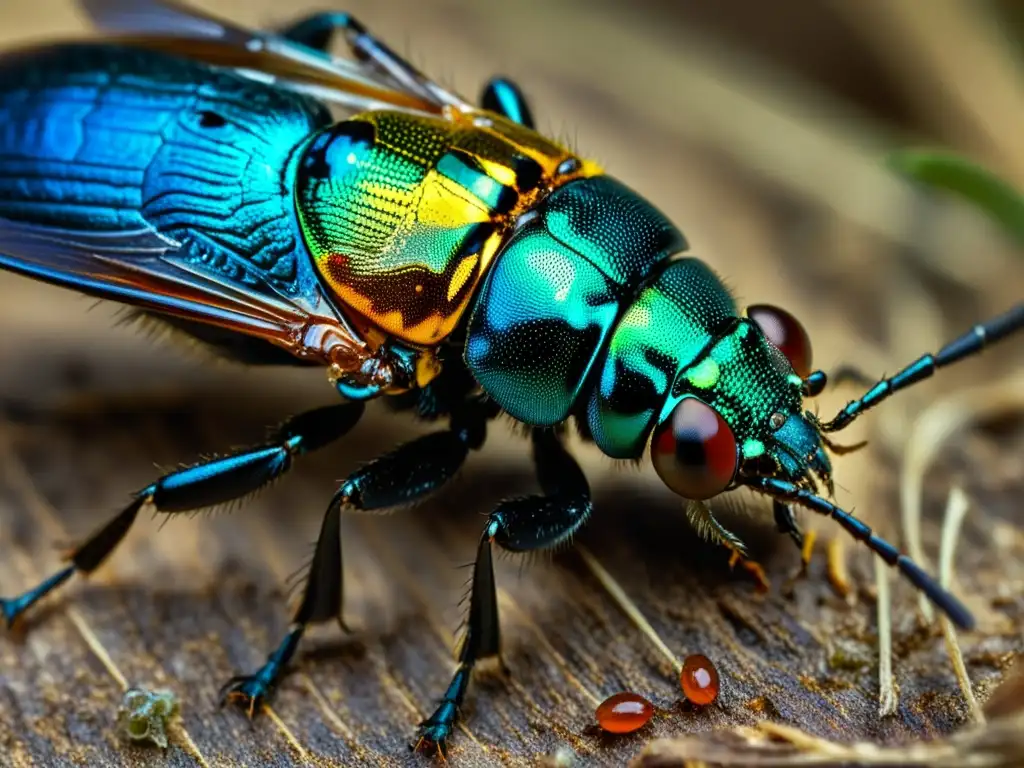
x,y
682,336
667,327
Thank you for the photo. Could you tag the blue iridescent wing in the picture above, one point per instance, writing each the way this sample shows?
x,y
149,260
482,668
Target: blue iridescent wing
x,y
127,175
161,182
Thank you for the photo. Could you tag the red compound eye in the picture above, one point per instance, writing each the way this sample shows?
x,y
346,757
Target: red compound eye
x,y
694,451
786,334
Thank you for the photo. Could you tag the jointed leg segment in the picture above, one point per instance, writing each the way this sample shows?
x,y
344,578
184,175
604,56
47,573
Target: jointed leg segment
x,y
522,524
207,484
785,522
317,31
404,475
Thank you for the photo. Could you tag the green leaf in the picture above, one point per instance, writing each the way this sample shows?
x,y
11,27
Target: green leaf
x,y
952,173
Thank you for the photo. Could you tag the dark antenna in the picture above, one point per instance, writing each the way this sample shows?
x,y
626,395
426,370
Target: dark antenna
x,y
971,343
943,600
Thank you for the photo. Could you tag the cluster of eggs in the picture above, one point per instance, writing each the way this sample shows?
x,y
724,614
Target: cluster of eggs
x,y
626,712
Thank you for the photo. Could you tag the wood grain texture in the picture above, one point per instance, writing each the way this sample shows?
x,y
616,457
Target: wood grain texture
x,y
88,408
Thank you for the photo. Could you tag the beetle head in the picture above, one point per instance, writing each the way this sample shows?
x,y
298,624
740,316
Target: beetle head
x,y
735,418
736,413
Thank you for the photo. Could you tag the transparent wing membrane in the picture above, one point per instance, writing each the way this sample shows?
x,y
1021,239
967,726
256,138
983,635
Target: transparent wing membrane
x,y
264,56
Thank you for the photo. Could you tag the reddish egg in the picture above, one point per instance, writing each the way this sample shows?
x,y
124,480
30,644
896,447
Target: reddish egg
x,y
624,712
699,679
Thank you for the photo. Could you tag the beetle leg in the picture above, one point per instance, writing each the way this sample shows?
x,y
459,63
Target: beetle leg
x,y
503,96
707,526
317,31
207,484
785,522
525,524
406,474
321,601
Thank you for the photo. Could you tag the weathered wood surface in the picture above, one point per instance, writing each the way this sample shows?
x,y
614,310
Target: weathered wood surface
x,y
88,408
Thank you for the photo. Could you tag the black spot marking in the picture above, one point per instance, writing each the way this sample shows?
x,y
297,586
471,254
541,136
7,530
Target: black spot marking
x,y
209,119
528,172
331,150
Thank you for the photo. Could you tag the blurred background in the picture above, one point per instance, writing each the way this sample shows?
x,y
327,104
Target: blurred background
x,y
763,130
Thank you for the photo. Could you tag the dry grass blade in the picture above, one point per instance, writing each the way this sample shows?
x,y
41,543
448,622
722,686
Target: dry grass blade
x,y
956,510
628,606
291,738
888,700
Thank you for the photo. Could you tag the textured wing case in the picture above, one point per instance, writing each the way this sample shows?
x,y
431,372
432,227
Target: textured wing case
x,y
105,140
146,178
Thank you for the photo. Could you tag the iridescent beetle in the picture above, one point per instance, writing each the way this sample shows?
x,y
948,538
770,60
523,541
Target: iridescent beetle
x,y
443,255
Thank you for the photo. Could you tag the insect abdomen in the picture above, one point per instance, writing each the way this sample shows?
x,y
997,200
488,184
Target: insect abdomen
x,y
101,138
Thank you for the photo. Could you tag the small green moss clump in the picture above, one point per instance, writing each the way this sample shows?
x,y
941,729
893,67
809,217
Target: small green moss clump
x,y
144,715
